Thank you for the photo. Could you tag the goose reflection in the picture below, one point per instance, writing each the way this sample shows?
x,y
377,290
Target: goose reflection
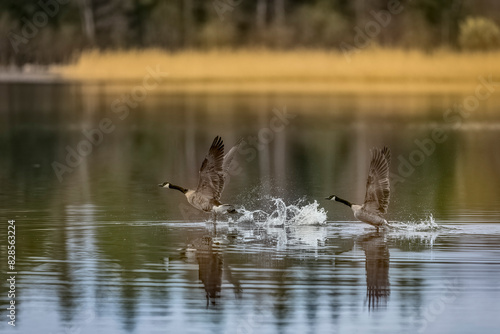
x,y
213,267
377,269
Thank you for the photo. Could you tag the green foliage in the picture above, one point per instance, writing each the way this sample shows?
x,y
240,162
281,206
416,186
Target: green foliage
x,y
163,27
319,25
72,26
215,33
479,34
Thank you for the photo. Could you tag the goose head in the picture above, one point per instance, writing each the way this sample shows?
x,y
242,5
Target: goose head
x,y
331,198
164,185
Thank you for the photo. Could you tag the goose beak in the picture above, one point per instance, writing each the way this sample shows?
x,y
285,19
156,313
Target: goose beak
x,y
160,185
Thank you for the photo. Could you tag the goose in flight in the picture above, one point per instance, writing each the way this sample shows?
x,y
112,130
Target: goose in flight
x,y
377,190
213,174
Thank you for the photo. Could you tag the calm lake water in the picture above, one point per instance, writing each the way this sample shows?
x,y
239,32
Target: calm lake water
x,y
100,248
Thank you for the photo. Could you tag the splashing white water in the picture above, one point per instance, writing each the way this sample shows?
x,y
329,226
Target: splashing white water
x,y
426,225
286,225
286,215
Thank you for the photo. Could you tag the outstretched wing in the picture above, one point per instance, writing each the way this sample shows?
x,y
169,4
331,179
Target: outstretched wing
x,y
377,186
211,181
228,158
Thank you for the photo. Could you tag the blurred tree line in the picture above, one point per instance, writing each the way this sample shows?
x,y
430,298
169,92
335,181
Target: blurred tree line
x,y
48,31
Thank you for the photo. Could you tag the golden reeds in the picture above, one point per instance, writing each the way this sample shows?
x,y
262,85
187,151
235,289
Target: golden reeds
x,y
300,70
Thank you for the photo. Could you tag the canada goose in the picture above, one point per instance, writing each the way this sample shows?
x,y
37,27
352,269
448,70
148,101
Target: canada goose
x,y
213,175
377,190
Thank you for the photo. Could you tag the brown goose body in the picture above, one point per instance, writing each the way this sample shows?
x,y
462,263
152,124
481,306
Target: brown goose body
x,y
368,217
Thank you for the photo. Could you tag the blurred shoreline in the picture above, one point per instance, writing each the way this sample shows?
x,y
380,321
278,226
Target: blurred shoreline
x,y
264,71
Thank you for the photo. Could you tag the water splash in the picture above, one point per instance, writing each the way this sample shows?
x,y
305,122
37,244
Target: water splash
x,y
280,214
428,224
285,225
416,234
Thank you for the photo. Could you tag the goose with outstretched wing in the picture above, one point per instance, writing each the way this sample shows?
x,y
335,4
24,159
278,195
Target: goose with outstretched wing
x,y
377,191
212,177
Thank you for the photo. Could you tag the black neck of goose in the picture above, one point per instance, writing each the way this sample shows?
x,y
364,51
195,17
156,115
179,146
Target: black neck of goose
x,y
182,190
341,200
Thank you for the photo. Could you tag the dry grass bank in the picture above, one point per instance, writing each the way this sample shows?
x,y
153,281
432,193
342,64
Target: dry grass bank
x,y
297,71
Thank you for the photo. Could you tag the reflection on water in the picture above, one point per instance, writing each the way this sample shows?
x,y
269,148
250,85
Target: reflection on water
x,y
377,268
106,250
212,267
